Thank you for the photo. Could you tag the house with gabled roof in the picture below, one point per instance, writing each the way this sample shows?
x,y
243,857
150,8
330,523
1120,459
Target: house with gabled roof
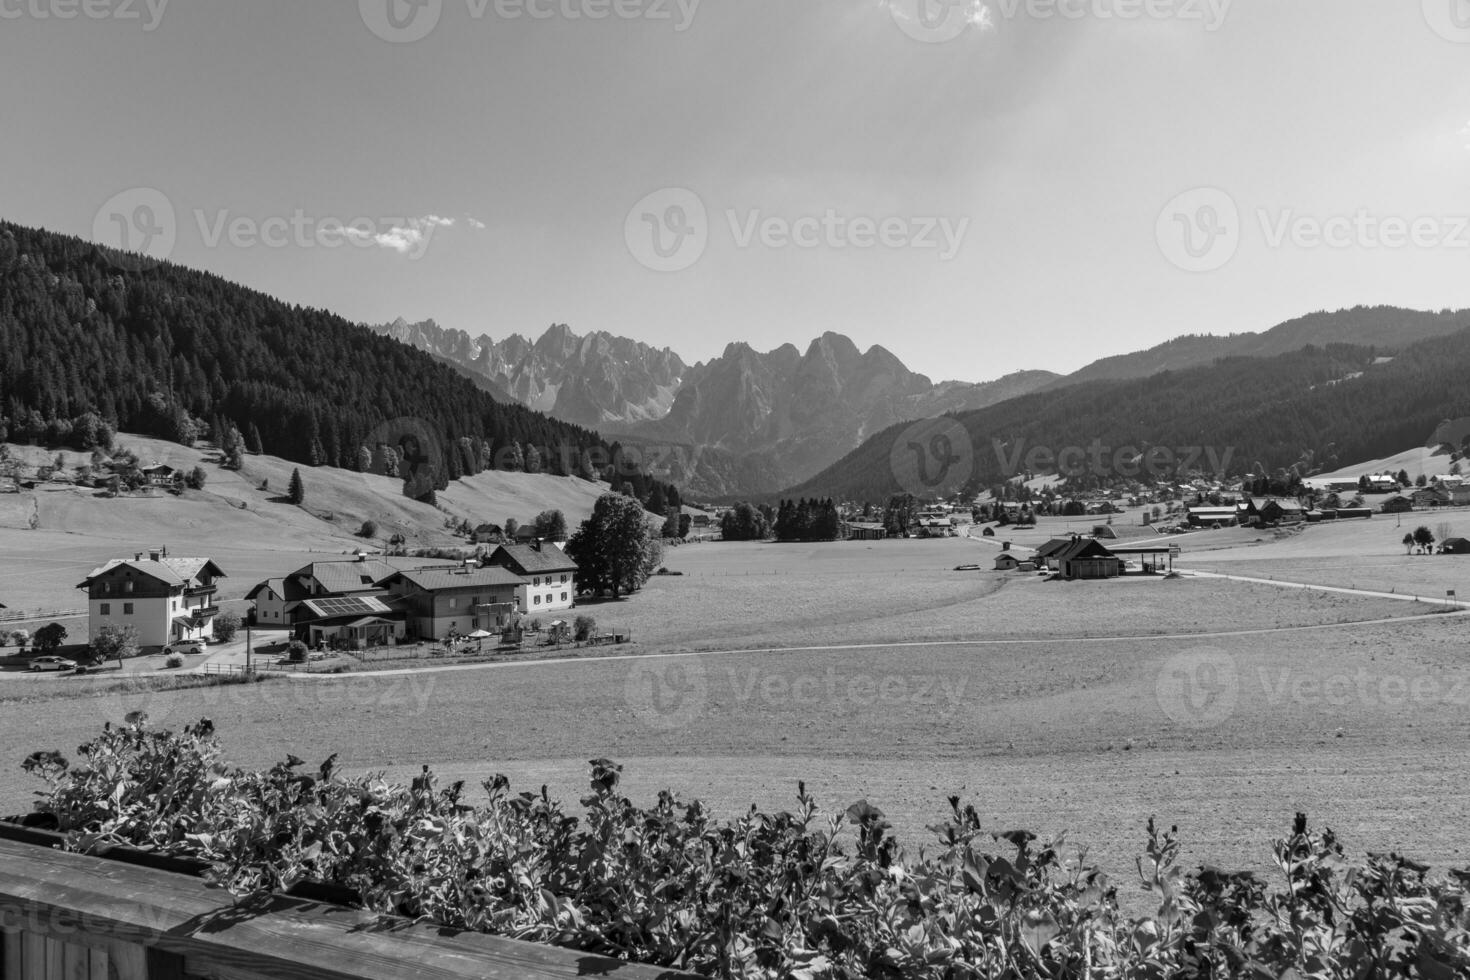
x,y
1086,558
165,599
438,603
549,574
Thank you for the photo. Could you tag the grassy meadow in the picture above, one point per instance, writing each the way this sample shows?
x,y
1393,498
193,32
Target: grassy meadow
x,y
1223,707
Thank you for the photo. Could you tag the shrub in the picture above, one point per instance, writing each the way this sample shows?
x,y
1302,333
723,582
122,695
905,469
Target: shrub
x,y
174,661
764,896
296,652
584,628
226,625
49,637
369,529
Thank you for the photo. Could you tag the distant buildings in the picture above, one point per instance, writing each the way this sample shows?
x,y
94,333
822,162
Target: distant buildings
x,y
166,600
547,575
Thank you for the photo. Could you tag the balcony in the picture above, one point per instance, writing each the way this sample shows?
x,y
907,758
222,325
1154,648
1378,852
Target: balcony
x,y
205,612
202,590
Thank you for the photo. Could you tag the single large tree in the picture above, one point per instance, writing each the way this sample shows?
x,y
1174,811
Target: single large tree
x,y
114,643
614,547
49,637
1424,538
296,493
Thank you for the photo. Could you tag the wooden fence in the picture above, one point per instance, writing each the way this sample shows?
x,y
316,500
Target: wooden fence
x,y
74,917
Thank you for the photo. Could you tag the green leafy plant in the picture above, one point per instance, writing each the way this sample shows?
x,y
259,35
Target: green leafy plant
x,y
788,895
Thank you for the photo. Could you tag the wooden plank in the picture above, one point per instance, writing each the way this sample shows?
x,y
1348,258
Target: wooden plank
x,y
97,962
34,967
82,899
75,961
127,961
55,959
10,956
164,965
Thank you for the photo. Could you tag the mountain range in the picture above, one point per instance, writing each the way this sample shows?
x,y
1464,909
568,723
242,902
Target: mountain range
x,y
755,423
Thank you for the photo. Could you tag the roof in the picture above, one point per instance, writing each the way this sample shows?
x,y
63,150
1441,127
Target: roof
x,y
346,576
1053,547
528,561
183,622
439,579
171,571
1084,548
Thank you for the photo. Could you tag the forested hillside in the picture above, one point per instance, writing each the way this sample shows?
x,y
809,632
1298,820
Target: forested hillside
x,y
175,353
1321,406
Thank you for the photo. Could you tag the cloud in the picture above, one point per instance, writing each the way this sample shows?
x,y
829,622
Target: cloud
x,y
977,12
476,224
410,238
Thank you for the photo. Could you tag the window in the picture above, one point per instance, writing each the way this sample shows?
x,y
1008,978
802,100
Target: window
x,y
105,609
128,587
127,608
106,588
453,602
563,597
536,582
538,600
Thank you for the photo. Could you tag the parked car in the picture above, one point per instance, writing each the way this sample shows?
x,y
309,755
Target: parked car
x,y
52,663
191,648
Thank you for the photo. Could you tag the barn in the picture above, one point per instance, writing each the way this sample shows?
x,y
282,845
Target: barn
x,y
1085,558
1455,546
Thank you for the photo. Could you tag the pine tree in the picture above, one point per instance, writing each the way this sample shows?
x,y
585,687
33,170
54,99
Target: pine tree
x,y
296,494
255,445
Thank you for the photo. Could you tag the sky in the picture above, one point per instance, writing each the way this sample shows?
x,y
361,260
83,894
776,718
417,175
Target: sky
x,y
980,187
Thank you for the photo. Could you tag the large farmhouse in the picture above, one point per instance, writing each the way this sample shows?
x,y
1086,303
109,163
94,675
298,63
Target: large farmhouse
x,y
166,600
547,574
442,602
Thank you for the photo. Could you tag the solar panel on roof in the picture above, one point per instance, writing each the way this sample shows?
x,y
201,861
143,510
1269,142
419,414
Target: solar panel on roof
x,y
346,606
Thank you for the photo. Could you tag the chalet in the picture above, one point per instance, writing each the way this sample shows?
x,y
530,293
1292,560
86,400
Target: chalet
x,y
1085,558
489,534
1214,516
548,575
442,602
1353,513
1455,546
313,601
161,475
526,534
1431,497
1381,483
1397,505
858,531
1049,554
1273,510
166,600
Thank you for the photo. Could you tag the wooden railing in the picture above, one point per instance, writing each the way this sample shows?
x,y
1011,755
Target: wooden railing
x,y
78,917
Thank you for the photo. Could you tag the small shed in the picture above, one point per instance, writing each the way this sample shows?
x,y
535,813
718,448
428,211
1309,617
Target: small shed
x,y
1455,546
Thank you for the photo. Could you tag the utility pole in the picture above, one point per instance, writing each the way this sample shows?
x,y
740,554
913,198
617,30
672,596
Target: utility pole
x,y
248,668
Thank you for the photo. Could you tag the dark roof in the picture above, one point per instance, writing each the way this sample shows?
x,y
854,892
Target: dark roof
x,y
526,560
1084,548
1053,547
439,579
346,576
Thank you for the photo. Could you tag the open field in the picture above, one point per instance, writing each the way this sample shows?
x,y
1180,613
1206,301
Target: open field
x,y
1363,727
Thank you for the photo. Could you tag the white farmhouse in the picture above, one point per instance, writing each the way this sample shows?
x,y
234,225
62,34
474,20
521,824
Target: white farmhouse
x,y
165,599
